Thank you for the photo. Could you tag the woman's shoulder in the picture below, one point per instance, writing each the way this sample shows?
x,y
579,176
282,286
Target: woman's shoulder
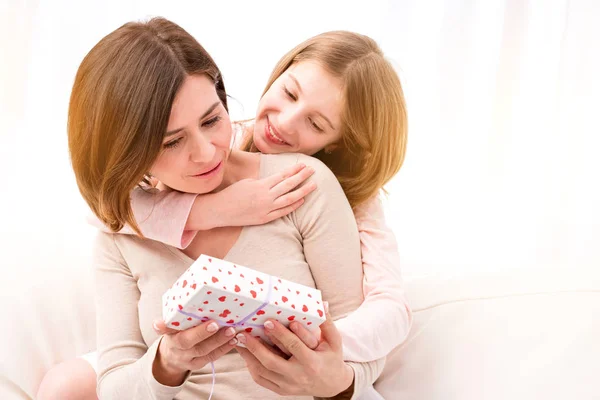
x,y
272,163
131,248
327,183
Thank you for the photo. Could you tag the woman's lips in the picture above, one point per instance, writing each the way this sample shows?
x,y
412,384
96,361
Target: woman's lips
x,y
211,172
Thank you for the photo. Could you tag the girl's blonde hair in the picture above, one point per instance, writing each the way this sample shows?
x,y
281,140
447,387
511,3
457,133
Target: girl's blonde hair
x,y
374,122
120,106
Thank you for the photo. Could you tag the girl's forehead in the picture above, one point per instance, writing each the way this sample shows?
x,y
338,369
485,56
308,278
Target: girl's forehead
x,y
317,87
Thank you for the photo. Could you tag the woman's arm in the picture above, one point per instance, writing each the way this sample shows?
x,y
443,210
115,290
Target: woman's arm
x,y
385,305
125,362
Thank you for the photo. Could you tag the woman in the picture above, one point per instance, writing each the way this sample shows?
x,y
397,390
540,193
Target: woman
x,y
140,85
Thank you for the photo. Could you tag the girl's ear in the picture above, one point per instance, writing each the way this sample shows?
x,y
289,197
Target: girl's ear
x,y
330,148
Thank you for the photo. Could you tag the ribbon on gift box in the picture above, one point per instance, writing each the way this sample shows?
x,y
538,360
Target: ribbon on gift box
x,y
240,323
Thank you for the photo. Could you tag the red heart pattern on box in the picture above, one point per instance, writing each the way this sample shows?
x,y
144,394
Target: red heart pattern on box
x,y
238,296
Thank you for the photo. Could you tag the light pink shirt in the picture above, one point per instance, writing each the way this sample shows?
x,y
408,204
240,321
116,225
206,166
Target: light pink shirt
x,y
381,322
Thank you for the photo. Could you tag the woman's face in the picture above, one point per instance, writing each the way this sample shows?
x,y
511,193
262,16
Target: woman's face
x,y
196,145
301,111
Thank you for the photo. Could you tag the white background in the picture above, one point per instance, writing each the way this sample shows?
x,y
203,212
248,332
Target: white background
x,y
503,99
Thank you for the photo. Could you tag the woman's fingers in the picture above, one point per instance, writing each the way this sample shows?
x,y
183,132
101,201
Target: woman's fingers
x,y
209,345
161,329
260,372
188,338
276,331
307,337
281,348
199,362
266,357
329,331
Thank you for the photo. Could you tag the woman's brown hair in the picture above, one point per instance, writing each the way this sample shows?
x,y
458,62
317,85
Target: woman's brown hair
x,y
374,122
120,107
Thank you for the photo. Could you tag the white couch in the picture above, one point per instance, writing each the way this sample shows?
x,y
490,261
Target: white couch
x,y
511,334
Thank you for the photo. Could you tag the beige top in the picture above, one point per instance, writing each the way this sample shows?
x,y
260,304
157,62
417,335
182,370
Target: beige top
x,y
317,245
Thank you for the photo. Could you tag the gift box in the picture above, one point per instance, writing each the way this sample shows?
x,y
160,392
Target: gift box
x,y
237,296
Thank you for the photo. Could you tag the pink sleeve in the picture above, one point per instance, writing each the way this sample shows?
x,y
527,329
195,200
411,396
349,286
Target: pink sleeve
x,y
160,215
384,319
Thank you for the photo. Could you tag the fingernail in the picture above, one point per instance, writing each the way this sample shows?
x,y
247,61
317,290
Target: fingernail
x,y
212,327
241,338
230,332
269,325
311,169
233,342
326,304
154,326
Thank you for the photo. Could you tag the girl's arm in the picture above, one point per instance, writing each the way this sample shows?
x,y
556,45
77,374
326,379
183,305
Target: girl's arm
x,y
332,250
174,217
385,306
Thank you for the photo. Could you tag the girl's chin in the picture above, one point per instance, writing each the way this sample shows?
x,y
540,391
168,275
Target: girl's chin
x,y
262,146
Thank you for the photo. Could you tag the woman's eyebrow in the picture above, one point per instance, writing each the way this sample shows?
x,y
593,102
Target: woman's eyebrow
x,y
206,113
292,77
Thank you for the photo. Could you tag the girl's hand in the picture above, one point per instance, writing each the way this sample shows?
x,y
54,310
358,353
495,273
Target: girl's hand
x,y
188,350
319,373
259,201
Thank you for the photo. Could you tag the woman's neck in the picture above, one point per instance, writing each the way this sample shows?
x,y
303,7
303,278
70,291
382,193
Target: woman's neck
x,y
240,165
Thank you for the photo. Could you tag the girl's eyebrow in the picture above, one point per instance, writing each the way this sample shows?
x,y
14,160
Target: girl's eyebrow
x,y
210,109
292,77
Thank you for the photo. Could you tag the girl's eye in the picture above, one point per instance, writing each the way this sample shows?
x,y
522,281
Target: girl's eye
x,y
211,122
317,127
172,144
289,94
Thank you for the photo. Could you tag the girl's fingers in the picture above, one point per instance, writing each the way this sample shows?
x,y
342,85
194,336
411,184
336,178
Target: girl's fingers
x,y
282,212
292,197
292,182
279,177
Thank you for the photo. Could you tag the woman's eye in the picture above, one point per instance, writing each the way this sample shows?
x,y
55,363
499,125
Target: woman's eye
x,y
211,122
289,94
172,144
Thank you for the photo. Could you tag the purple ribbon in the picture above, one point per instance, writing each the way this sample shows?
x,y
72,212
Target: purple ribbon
x,y
242,322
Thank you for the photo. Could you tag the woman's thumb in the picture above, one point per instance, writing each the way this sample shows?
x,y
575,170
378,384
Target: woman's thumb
x,y
329,331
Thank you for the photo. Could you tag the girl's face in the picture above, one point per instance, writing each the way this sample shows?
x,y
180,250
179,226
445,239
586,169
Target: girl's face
x,y
196,145
301,111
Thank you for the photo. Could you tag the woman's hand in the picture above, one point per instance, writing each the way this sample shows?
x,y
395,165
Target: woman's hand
x,y
188,350
253,201
320,372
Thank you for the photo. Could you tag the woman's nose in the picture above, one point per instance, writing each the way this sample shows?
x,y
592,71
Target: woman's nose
x,y
202,149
